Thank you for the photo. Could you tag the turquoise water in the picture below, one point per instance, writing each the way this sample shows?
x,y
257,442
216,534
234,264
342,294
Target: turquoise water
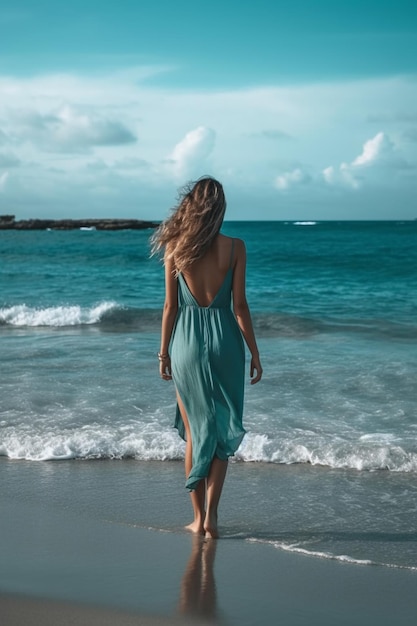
x,y
335,310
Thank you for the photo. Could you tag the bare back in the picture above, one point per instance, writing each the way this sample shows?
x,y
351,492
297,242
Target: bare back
x,y
205,277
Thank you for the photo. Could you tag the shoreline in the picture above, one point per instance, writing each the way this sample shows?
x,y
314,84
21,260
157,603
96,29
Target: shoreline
x,y
91,559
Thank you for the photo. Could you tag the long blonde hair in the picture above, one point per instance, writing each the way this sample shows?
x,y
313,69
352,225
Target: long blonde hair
x,y
189,232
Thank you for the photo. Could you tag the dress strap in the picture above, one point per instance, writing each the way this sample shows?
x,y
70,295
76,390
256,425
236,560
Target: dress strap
x,y
231,253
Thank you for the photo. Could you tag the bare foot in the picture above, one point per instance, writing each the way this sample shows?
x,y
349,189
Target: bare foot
x,y
195,527
210,527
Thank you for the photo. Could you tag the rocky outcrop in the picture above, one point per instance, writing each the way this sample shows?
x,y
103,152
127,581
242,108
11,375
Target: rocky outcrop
x,y
8,222
6,219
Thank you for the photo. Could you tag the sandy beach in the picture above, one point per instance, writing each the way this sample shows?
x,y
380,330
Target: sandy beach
x,y
63,563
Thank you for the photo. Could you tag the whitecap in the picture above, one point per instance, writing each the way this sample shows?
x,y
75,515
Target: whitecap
x,y
145,442
72,315
368,454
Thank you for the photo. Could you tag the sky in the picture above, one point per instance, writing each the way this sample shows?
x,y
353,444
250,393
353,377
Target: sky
x,y
304,109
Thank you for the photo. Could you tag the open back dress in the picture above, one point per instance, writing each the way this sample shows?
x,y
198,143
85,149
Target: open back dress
x,y
208,368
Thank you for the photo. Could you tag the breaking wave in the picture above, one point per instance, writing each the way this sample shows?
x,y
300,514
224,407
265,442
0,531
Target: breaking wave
x,y
22,315
154,442
110,315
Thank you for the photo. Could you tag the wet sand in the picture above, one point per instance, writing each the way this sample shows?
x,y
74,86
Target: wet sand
x,y
62,564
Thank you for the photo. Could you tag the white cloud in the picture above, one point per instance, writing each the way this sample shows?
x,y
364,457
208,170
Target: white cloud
x,y
340,176
373,149
379,150
329,174
190,155
290,179
69,130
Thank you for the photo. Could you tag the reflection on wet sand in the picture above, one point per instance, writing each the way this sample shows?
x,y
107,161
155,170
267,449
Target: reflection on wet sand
x,y
198,596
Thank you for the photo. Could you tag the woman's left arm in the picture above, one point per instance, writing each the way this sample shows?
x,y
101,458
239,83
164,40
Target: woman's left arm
x,y
168,318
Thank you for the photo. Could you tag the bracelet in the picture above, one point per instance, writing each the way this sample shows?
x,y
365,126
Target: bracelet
x,y
162,357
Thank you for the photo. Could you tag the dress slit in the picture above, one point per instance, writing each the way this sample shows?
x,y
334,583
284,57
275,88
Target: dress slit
x,y
208,362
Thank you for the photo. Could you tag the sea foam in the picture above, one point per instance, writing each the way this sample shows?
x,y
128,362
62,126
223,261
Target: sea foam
x,y
297,548
144,442
368,455
154,442
23,315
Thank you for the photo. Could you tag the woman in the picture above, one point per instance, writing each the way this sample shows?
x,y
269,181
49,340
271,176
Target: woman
x,y
201,341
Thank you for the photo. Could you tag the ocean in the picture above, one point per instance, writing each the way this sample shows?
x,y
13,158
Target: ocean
x,y
328,467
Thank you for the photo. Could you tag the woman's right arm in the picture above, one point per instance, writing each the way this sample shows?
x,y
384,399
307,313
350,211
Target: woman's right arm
x,y
169,314
241,310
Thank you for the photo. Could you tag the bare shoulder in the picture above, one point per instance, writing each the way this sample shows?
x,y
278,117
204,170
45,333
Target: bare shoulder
x,y
240,247
239,252
237,246
239,243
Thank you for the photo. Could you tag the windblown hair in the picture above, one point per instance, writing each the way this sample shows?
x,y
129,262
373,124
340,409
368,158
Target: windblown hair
x,y
190,230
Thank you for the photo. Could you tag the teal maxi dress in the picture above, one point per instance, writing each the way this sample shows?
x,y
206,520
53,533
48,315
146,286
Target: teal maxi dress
x,y
208,368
